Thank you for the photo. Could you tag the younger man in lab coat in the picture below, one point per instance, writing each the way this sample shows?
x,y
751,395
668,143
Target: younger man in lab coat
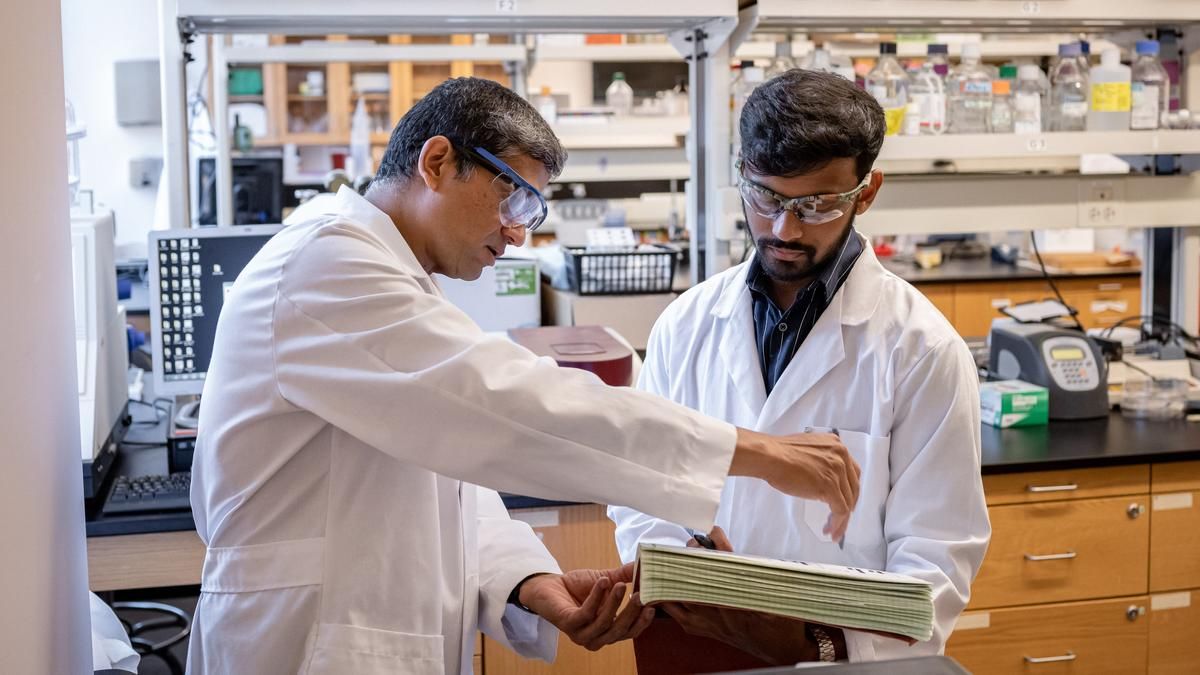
x,y
813,332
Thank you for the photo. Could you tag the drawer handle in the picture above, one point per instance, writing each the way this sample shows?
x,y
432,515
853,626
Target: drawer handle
x,y
1067,487
1069,656
1050,556
1109,287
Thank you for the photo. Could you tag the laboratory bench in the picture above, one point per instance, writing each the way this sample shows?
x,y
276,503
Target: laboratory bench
x,y
1094,560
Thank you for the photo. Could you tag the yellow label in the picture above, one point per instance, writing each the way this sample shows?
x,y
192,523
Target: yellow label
x,y
895,120
1111,97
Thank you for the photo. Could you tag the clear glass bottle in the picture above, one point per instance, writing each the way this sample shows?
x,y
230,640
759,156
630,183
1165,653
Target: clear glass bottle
x,y
783,59
1151,87
546,106
1028,100
1068,92
888,83
619,95
969,94
1000,119
1111,98
928,91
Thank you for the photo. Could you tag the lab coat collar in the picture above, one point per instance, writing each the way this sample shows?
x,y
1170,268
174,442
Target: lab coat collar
x,y
858,297
354,206
822,350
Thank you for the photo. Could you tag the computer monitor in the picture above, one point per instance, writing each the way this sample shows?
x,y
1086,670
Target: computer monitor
x,y
191,271
257,190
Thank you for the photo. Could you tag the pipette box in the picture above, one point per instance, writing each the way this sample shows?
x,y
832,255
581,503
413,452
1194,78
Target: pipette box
x,y
1014,403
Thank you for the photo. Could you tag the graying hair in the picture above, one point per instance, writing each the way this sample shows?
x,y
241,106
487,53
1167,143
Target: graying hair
x,y
473,113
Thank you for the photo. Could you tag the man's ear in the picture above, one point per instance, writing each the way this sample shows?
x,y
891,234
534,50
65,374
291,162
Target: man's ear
x,y
437,162
868,195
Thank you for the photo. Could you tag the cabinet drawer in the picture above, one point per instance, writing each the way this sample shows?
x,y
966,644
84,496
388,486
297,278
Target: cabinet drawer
x,y
1174,541
1045,486
1068,550
1174,633
977,303
1092,637
1175,476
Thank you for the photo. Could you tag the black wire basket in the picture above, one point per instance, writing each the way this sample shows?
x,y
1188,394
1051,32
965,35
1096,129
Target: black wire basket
x,y
621,273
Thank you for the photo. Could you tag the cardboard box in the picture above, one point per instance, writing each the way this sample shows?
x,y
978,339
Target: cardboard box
x,y
1013,403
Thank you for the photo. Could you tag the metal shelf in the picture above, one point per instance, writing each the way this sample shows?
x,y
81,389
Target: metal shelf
x,y
360,53
996,146
924,205
963,15
374,17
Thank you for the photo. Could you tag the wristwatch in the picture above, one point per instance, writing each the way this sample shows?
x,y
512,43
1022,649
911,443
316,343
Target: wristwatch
x,y
825,649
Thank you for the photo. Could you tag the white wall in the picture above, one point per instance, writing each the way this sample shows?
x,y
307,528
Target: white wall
x,y
44,621
97,34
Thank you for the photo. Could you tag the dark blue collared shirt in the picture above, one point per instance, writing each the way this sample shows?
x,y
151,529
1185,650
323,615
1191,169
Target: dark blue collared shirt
x,y
778,333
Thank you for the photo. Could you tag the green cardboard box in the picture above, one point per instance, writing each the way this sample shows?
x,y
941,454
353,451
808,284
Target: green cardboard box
x,y
1013,403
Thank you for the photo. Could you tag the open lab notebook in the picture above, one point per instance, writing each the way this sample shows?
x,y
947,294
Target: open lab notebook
x,y
843,597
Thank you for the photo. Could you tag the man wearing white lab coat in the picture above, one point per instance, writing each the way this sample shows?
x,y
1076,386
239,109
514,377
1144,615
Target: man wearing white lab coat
x,y
350,412
813,332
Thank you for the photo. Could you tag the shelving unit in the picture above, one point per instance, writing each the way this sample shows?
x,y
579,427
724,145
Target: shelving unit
x,y
1012,201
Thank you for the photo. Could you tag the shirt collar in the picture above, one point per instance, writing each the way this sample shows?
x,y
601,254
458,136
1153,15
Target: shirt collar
x,y
828,278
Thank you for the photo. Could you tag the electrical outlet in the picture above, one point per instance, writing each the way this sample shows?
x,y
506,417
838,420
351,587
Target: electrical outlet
x,y
1100,203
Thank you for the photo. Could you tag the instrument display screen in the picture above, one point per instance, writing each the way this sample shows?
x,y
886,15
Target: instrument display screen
x,y
1066,354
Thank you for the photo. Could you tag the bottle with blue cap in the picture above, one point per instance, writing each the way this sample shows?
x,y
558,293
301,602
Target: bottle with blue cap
x,y
1068,91
1151,87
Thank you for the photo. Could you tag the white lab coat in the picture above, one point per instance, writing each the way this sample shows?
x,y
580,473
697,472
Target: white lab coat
x,y
349,413
886,370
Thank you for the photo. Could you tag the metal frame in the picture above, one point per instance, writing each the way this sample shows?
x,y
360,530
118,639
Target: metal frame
x,y
697,28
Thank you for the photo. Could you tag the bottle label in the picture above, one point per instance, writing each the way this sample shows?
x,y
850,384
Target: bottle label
x,y
933,111
1028,118
1111,97
1074,108
972,87
895,120
1145,106
878,92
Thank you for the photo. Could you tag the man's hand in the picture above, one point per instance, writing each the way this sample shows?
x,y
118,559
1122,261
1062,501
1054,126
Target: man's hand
x,y
812,466
583,605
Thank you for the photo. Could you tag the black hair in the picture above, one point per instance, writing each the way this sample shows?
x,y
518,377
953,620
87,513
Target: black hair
x,y
472,112
799,121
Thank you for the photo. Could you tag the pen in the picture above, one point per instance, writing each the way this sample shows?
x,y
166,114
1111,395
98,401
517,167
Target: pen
x,y
703,540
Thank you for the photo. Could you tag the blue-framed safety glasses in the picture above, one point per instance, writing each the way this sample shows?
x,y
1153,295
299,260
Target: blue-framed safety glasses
x,y
521,204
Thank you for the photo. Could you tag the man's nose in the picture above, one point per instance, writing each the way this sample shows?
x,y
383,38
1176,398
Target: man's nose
x,y
787,226
515,236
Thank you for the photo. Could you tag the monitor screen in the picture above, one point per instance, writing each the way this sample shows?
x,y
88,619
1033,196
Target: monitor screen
x,y
191,271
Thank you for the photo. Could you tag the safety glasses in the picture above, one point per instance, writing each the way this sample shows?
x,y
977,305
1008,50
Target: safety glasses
x,y
521,204
812,209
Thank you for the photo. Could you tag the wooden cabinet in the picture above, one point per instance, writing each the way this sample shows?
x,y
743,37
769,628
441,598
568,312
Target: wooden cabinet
x,y
972,305
1049,486
1091,570
1065,550
1094,637
1174,620
312,104
1175,527
578,537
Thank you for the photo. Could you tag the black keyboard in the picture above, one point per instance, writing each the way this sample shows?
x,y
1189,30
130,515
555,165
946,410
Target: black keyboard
x,y
145,494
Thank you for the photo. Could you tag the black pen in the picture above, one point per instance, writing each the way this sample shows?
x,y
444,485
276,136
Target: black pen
x,y
703,540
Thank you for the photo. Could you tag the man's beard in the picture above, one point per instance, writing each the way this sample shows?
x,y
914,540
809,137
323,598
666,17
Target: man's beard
x,y
791,271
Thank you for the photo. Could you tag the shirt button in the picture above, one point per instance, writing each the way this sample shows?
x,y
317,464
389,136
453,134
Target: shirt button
x,y
782,327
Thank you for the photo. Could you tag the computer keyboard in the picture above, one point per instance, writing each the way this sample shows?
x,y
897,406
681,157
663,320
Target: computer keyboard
x,y
144,494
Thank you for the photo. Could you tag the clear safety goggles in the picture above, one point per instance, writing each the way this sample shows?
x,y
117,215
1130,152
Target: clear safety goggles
x,y
521,204
811,209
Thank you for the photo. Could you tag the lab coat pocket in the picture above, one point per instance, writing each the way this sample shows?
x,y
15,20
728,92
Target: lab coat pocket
x,y
866,524
340,649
